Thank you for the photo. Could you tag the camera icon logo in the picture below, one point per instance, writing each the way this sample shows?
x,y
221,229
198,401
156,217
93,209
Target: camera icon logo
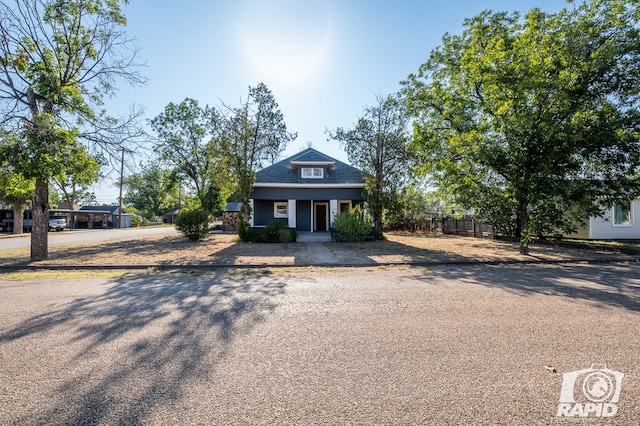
x,y
591,392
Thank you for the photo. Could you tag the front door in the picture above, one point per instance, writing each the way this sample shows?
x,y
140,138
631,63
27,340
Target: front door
x,y
321,217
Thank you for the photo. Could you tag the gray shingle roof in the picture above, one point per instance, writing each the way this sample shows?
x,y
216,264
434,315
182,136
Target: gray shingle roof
x,y
233,207
100,209
282,172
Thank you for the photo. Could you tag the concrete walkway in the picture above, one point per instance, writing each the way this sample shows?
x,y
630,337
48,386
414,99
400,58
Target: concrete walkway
x,y
313,237
321,254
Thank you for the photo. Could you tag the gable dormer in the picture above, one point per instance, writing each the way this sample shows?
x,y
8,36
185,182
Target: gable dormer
x,y
311,164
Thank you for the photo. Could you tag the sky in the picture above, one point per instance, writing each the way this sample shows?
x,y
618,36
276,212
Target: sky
x,y
324,61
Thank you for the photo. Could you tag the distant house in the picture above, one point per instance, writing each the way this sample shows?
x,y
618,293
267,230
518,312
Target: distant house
x,y
621,222
170,216
305,191
92,217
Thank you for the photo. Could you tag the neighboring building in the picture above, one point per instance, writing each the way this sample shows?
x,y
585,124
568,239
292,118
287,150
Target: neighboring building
x,y
170,216
305,191
92,217
621,222
87,217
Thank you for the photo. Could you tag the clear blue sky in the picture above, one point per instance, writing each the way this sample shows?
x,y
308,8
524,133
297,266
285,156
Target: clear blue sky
x,y
324,60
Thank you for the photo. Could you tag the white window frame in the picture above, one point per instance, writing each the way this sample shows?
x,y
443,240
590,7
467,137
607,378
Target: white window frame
x,y
613,216
312,172
343,202
281,209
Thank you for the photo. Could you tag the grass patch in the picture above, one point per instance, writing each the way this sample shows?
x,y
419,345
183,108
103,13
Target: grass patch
x,y
62,275
16,252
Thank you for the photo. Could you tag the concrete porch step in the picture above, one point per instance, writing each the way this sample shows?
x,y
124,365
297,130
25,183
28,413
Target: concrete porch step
x,y
313,237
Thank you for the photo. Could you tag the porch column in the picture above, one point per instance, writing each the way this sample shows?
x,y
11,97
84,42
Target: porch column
x,y
292,214
251,215
333,210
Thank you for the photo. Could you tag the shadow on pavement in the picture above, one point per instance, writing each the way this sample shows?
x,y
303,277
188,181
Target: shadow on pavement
x,y
139,343
616,285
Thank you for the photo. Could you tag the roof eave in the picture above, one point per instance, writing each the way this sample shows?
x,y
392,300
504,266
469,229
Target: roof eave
x,y
307,185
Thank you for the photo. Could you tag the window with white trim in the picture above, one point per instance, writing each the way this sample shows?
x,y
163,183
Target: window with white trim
x,y
312,172
281,209
622,214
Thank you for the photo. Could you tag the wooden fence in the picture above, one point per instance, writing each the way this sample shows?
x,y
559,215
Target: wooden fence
x,y
468,226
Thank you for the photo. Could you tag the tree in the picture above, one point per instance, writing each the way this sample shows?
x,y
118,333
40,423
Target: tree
x,y
378,145
256,134
152,192
533,122
81,170
57,61
184,133
17,191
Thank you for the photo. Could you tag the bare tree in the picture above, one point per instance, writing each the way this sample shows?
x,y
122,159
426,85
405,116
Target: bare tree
x,y
58,59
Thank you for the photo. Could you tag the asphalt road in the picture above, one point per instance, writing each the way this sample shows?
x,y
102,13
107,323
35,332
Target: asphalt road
x,y
357,346
12,242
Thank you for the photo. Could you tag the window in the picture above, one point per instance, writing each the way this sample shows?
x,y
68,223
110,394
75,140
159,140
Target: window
x,y
312,172
345,206
622,213
280,209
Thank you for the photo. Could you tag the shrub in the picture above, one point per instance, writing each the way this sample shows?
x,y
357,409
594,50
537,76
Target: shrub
x,y
244,231
275,232
137,220
193,224
351,226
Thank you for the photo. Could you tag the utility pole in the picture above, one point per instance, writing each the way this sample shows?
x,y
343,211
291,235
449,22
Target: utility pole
x,y
120,202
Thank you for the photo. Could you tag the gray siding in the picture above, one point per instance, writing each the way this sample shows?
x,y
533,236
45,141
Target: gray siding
x,y
602,228
303,216
263,212
306,194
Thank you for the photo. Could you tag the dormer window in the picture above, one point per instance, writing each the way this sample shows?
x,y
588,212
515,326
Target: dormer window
x,y
312,172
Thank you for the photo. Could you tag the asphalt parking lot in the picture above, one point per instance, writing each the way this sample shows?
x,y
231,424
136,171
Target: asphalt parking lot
x,y
379,345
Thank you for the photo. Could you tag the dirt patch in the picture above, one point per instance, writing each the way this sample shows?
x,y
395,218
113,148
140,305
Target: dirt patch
x,y
225,249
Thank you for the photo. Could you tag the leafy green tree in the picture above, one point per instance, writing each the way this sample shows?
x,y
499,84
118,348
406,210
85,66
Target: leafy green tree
x,y
152,192
256,134
17,191
533,122
184,133
57,61
81,170
378,145
413,208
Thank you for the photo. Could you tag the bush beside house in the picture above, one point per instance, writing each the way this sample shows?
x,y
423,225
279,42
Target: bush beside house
x,y
351,226
275,232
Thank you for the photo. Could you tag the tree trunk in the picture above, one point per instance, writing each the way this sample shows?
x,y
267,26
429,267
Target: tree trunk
x,y
40,230
18,216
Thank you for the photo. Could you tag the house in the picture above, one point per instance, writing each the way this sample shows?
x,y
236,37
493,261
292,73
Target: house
x,y
621,222
91,217
170,216
305,191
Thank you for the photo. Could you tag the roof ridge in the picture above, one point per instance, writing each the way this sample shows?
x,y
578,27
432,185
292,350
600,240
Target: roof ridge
x,y
306,152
